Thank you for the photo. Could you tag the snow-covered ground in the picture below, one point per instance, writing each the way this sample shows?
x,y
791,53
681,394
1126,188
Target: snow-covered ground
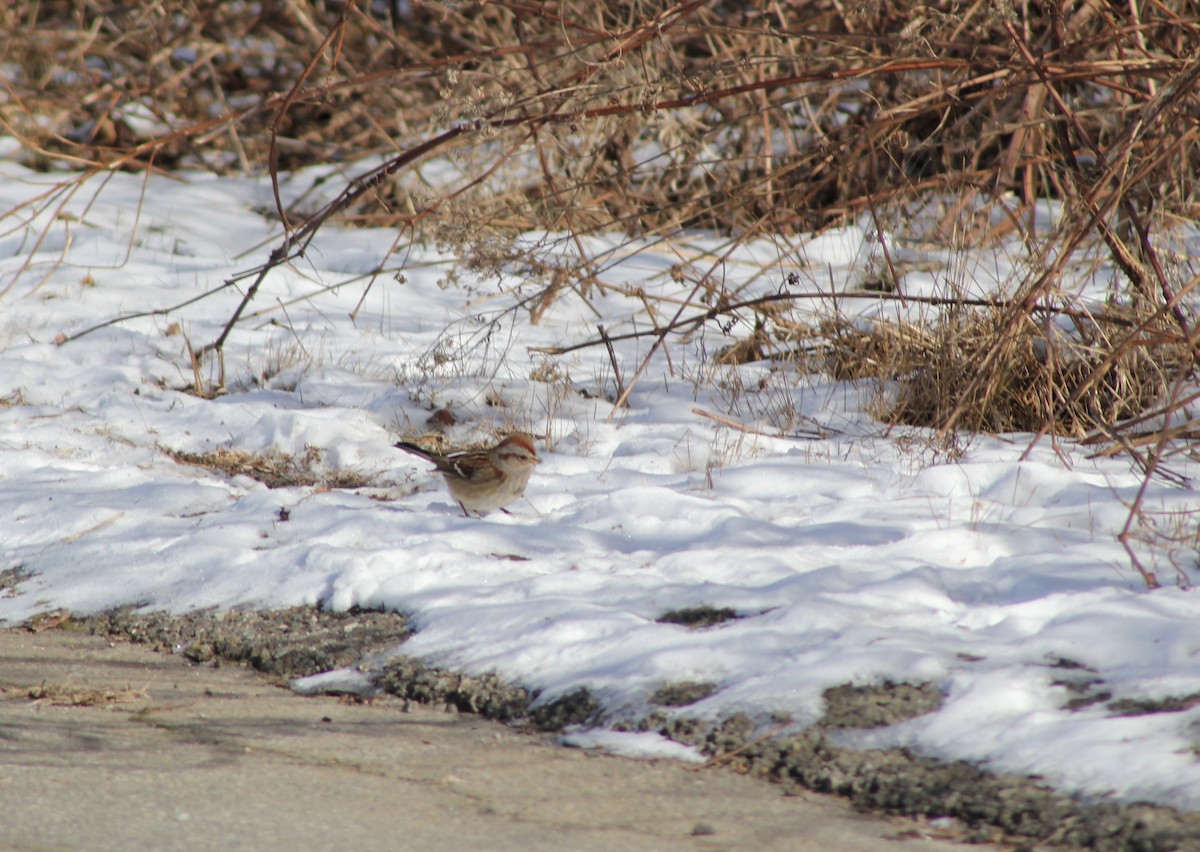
x,y
855,556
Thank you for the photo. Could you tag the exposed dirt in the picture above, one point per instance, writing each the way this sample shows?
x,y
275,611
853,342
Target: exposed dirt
x,y
698,617
288,643
877,705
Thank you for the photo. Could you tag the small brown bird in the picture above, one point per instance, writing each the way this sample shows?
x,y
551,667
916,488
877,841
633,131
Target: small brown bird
x,y
485,479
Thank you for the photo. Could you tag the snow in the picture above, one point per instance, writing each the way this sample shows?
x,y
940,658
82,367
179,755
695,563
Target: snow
x,y
644,745
857,556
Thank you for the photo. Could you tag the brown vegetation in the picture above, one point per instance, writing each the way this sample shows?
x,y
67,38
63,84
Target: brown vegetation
x,y
275,470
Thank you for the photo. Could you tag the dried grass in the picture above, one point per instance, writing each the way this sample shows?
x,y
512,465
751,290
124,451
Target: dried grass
x,y
70,695
1046,378
275,470
642,117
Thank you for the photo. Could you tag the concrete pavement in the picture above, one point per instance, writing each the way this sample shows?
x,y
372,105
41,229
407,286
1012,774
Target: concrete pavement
x,y
112,746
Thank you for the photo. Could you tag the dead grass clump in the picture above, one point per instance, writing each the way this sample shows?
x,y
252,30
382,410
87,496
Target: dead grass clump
x,y
880,350
275,470
1073,379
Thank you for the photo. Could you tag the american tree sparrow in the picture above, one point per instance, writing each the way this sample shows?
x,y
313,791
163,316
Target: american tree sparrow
x,y
483,480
